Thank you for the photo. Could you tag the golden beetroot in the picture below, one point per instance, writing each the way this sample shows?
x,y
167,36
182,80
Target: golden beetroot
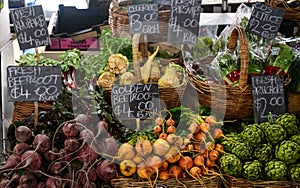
x,y
126,151
199,160
143,147
161,147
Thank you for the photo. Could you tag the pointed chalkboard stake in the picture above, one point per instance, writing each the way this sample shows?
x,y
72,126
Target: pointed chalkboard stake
x,y
138,124
36,104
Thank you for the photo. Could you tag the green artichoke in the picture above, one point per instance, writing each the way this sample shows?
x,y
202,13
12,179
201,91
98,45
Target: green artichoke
x,y
289,122
275,134
231,165
243,151
263,126
263,153
253,135
252,170
276,170
294,172
288,152
295,138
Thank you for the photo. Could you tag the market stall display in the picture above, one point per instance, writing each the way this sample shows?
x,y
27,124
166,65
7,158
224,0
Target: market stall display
x,y
100,132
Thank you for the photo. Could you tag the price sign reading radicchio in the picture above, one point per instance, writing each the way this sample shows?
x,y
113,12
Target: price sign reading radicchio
x,y
265,20
33,83
268,97
135,101
30,27
184,22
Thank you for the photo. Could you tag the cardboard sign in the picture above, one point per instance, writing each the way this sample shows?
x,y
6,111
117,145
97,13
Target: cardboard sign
x,y
135,101
268,97
33,83
143,18
184,24
265,20
30,27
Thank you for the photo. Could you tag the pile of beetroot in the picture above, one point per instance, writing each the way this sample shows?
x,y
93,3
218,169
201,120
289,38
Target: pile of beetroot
x,y
74,155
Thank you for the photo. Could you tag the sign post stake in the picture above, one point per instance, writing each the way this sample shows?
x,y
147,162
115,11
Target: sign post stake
x,y
36,104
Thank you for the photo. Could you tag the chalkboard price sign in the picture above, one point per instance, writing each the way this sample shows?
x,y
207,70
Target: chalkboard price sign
x,y
184,24
268,97
33,83
143,18
30,27
265,20
135,101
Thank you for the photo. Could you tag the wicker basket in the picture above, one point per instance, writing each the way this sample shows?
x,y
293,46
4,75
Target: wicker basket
x,y
25,109
209,182
290,14
234,182
119,22
171,96
226,100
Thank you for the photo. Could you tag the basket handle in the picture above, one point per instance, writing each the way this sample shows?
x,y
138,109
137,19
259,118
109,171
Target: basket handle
x,y
239,33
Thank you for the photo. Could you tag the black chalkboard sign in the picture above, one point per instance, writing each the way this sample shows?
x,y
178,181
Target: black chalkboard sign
x,y
268,97
265,20
33,83
30,27
135,101
143,18
184,24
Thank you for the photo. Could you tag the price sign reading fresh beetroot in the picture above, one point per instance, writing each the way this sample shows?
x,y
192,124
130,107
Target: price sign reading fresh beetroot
x,y
268,97
265,20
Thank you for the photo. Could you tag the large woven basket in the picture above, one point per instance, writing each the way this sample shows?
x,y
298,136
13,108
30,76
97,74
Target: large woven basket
x,y
227,100
23,110
290,14
234,182
119,22
170,96
205,182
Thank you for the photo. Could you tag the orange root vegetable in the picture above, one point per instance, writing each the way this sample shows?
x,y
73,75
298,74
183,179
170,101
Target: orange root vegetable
x,y
195,172
176,171
204,153
214,155
171,129
172,138
163,136
173,155
194,128
170,122
186,162
164,175
210,163
211,120
199,160
200,136
157,129
159,121
204,127
219,148
154,162
144,172
164,165
217,133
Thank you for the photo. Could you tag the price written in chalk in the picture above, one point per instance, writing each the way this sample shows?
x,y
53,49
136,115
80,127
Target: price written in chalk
x,y
135,101
143,18
268,97
30,27
184,24
40,83
265,20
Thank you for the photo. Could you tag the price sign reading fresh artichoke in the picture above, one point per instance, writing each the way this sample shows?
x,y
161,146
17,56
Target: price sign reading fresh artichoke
x,y
268,97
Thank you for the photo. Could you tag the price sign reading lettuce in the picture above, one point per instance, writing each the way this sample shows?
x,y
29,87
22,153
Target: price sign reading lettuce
x,y
265,20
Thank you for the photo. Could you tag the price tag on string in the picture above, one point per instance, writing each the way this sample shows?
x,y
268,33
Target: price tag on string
x,y
265,20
